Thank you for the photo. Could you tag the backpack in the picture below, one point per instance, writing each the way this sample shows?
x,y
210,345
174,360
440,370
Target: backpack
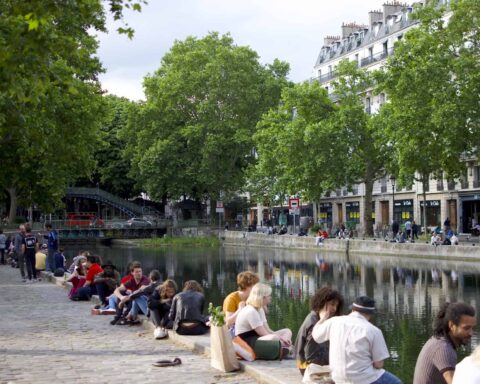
x,y
30,241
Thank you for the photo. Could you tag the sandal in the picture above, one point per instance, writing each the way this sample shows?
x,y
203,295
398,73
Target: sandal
x,y
167,363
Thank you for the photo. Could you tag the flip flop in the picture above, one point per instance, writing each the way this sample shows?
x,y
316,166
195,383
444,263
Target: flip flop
x,y
167,363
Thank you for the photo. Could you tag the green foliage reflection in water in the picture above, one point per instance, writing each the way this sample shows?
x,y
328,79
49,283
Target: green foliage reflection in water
x,y
180,242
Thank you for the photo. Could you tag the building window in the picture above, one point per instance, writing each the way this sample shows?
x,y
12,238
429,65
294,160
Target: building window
x,y
353,213
440,185
451,184
370,52
464,180
319,73
383,187
325,215
476,177
368,105
385,48
330,69
433,213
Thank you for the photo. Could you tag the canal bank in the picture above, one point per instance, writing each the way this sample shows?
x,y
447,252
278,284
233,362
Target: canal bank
x,y
467,251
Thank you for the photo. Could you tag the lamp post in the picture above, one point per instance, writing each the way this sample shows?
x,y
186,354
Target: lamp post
x,y
392,180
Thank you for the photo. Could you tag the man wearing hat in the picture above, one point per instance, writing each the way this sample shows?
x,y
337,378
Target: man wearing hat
x,y
357,347
107,281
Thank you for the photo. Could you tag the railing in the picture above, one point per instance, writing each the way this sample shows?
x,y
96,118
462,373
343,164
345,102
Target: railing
x,y
105,197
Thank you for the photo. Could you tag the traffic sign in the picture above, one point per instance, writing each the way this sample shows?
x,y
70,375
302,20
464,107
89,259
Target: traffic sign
x,y
293,203
220,208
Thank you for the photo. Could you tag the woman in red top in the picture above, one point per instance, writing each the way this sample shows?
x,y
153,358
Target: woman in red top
x,y
88,289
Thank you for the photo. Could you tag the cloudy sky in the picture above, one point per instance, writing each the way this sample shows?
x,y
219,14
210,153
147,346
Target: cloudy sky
x,y
289,30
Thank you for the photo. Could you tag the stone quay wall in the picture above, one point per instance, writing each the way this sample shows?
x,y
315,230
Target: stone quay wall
x,y
465,251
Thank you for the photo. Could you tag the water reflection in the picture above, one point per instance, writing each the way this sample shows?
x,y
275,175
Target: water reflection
x,y
408,291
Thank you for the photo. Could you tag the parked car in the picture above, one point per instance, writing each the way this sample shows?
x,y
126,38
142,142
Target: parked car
x,y
84,220
135,222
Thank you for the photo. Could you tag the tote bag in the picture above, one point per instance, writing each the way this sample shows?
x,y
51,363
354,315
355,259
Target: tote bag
x,y
222,353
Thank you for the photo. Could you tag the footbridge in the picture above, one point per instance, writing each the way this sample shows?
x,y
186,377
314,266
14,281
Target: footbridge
x,y
125,206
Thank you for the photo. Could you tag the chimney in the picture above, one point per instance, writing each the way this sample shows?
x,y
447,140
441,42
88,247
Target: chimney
x,y
389,8
329,40
374,17
349,28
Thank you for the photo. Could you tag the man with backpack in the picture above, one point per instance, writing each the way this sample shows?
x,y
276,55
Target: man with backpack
x,y
19,260
30,248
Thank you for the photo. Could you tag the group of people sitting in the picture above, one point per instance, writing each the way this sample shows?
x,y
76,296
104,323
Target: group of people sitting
x,y
134,294
352,347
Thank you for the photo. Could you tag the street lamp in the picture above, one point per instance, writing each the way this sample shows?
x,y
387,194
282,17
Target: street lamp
x,y
392,180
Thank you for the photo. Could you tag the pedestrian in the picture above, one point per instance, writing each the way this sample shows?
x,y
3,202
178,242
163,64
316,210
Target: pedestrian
x,y
357,347
52,239
18,251
395,228
453,327
414,231
326,301
408,229
29,248
3,246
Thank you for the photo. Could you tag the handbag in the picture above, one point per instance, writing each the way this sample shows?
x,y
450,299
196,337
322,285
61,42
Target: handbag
x,y
268,349
222,355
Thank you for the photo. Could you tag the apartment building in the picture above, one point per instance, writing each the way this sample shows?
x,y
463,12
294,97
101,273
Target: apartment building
x,y
459,200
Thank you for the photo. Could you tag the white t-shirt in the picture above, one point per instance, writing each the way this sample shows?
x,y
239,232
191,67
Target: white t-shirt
x,y
248,319
467,372
355,344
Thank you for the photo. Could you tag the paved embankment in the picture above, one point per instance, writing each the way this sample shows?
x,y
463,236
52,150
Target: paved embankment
x,y
46,338
465,251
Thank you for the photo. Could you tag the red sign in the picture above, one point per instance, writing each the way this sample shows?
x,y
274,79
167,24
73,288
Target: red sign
x,y
293,203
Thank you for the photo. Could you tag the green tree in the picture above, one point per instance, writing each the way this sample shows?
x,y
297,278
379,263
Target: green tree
x,y
50,97
113,166
193,136
311,145
433,86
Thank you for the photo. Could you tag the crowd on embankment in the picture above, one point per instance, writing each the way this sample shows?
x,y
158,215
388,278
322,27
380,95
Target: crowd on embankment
x,y
352,348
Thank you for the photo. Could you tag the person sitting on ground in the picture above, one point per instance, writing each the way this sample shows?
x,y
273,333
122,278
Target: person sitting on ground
x,y
357,347
435,239
82,255
186,312
468,370
77,277
60,261
106,282
283,230
321,235
251,324
124,291
88,289
235,301
454,239
159,304
140,297
453,327
40,259
401,237
326,302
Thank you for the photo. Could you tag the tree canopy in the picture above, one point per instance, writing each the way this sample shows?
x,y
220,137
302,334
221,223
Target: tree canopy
x,y
50,98
193,136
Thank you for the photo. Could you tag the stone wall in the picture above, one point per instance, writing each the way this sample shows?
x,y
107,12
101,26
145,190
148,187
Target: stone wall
x,y
460,252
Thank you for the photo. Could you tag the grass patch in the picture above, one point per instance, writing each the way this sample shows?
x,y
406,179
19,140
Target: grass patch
x,y
179,242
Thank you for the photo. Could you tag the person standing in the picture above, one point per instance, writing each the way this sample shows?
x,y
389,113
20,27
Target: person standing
x,y
52,239
414,231
3,246
357,347
408,229
453,327
29,248
18,250
395,228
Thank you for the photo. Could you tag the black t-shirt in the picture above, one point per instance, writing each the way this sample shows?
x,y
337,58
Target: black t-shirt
x,y
30,241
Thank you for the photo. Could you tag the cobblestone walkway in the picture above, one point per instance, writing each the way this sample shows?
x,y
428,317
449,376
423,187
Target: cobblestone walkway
x,y
45,338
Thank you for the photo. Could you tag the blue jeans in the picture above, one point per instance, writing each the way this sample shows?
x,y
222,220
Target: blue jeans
x,y
388,378
139,304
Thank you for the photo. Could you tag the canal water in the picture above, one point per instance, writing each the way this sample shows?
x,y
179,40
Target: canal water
x,y
408,291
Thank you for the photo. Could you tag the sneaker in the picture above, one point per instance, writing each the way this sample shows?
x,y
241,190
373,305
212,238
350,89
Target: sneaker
x,y
159,333
34,280
107,312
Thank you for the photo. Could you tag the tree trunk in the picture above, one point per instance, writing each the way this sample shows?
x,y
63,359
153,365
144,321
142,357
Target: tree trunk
x,y
13,204
424,194
367,205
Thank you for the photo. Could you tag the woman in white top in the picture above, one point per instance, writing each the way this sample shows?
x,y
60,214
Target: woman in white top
x,y
251,323
468,371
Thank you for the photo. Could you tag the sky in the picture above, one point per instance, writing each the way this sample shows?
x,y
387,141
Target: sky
x,y
291,31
